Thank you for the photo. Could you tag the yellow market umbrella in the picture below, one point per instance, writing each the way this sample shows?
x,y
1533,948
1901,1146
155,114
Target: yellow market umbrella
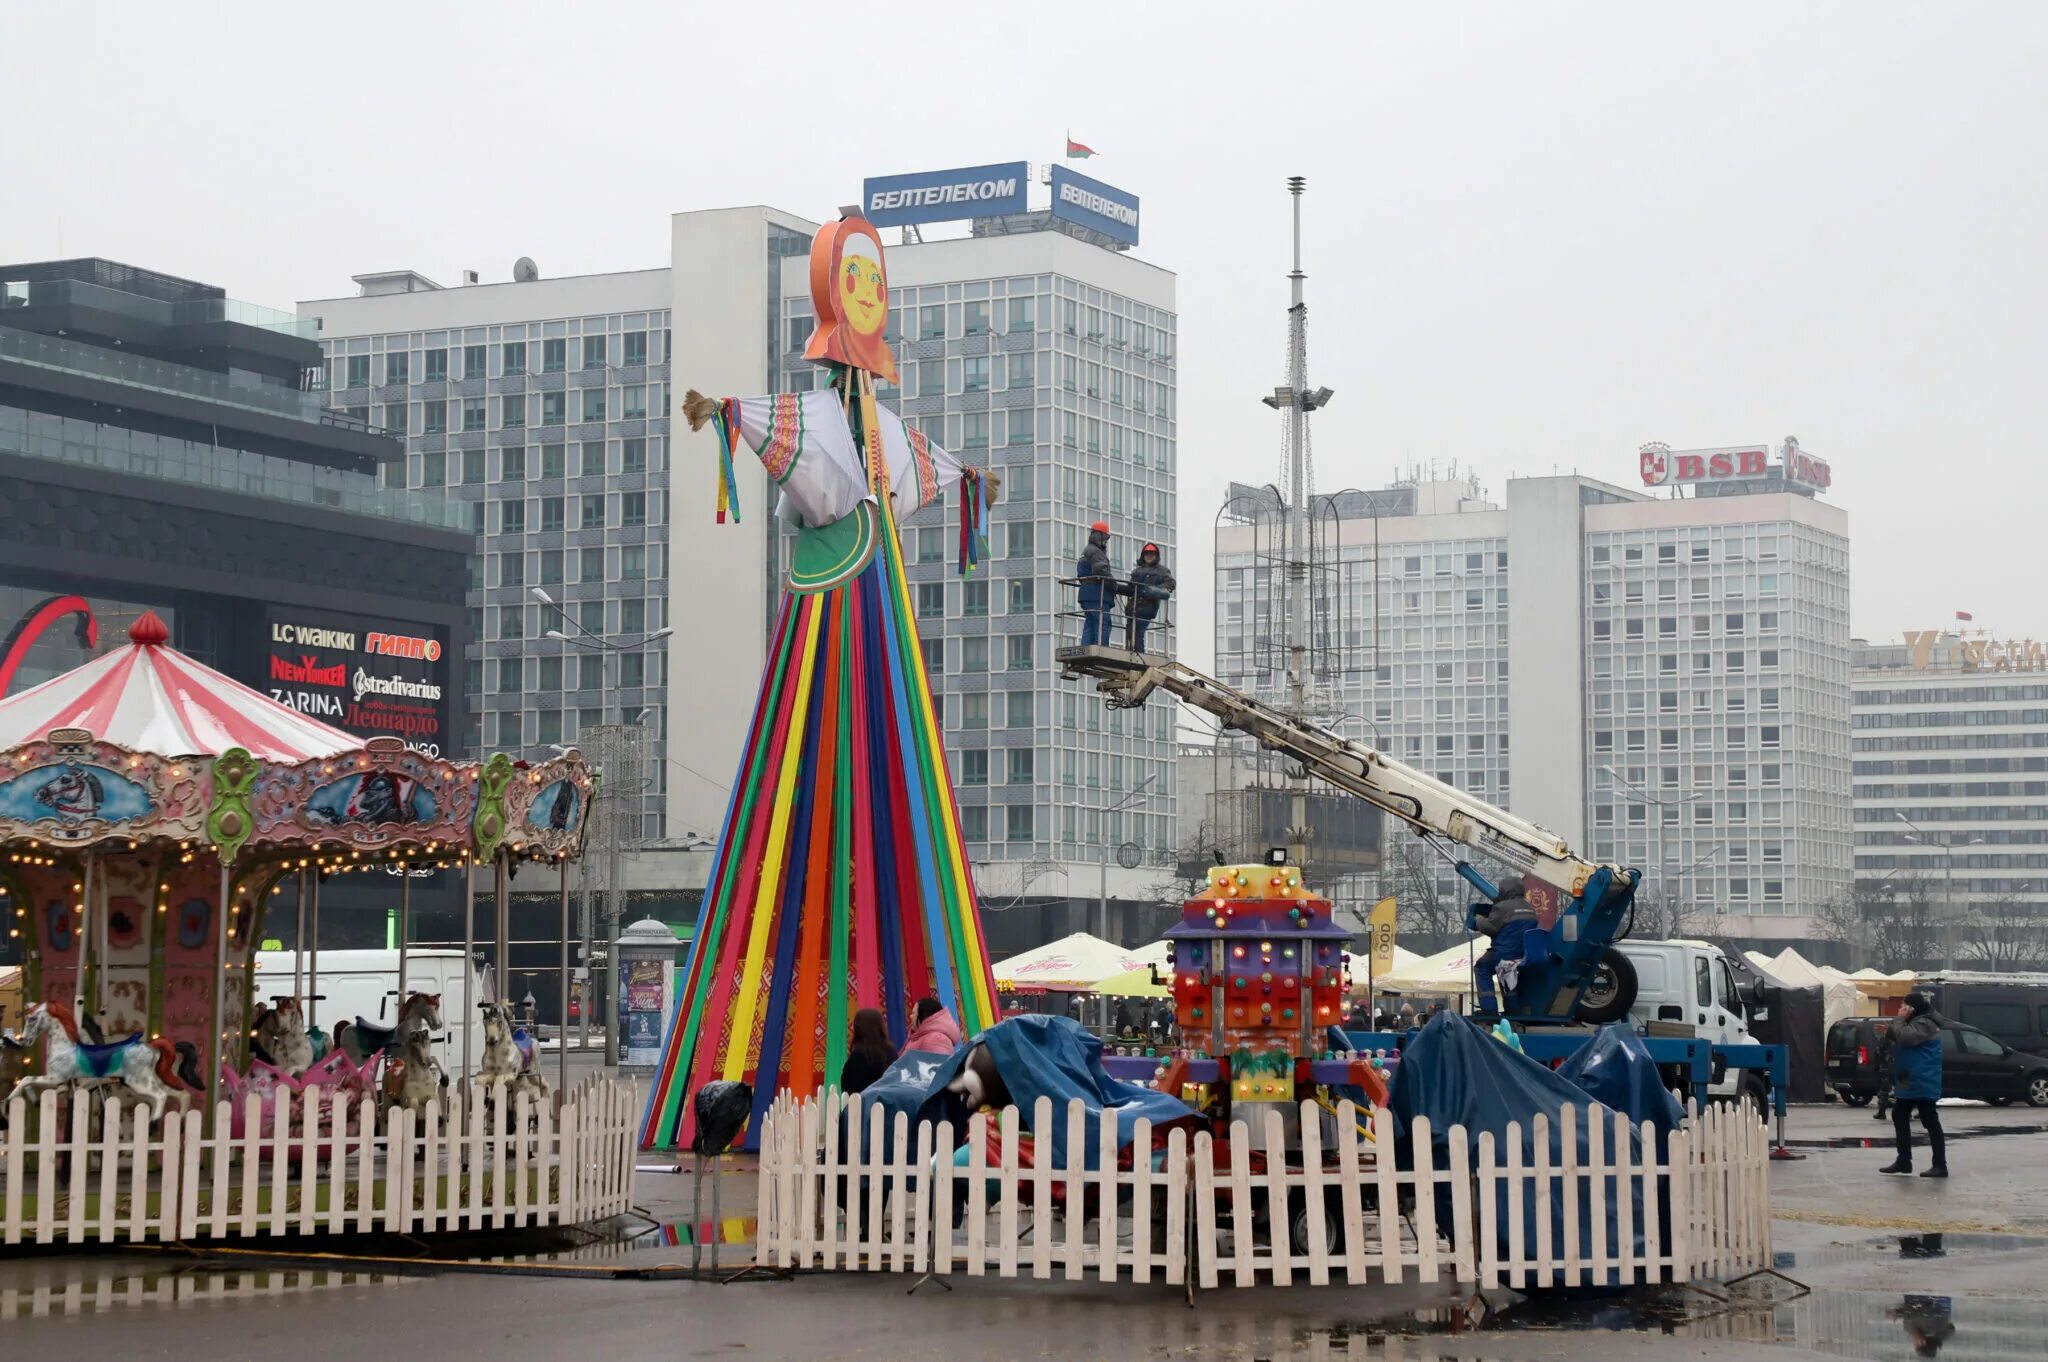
x,y
1135,983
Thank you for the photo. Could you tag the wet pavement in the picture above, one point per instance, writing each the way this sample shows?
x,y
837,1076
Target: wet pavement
x,y
1873,1267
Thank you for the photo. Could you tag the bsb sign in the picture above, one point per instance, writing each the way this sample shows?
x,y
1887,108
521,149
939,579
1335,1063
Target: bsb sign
x,y
1663,466
1095,205
944,195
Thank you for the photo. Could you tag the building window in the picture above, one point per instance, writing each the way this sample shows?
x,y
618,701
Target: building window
x,y
512,411
551,515
973,654
554,409
552,461
590,459
1020,651
473,413
934,650
931,379
931,600
1023,431
633,562
1767,658
358,371
590,515
635,345
974,598
435,418
973,766
512,569
515,357
931,544
632,669
433,470
1023,596
974,430
974,823
437,366
931,322
632,508
633,402
974,710
1022,766
397,418
974,374
511,621
398,367
1771,735
551,567
472,467
593,352
590,568
593,404
512,517
1023,314
554,355
633,455
1023,539
511,678
977,319
1022,823
1019,709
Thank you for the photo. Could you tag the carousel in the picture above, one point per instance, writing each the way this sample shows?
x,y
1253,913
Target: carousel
x,y
154,815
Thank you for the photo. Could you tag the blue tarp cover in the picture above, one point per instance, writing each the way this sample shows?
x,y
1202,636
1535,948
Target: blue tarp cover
x,y
1457,1075
1036,1057
1614,1068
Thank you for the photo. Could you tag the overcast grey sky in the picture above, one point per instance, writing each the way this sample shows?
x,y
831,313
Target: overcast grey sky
x,y
1538,234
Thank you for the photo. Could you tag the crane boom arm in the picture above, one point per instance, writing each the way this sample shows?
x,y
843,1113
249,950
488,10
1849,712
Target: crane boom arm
x,y
1423,802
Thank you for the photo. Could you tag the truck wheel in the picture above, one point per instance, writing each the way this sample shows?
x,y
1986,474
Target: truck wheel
x,y
1855,1099
1611,993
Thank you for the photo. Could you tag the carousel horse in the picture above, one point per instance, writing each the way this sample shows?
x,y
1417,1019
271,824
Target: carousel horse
x,y
281,1039
72,1063
508,1060
413,1077
978,1083
363,1038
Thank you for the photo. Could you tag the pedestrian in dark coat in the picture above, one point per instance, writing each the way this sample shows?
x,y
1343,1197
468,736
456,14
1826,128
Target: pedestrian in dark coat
x,y
1916,1084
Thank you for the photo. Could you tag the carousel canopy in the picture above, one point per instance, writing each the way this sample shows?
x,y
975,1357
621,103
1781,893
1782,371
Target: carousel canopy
x,y
148,697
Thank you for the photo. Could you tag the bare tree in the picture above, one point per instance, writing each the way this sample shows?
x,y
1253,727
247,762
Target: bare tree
x,y
1412,873
2006,933
1663,917
1893,923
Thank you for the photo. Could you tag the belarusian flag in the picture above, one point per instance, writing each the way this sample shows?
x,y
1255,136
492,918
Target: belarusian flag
x,y
1078,151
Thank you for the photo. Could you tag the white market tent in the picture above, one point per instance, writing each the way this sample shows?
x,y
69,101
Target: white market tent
x,y
1072,964
1448,971
1839,996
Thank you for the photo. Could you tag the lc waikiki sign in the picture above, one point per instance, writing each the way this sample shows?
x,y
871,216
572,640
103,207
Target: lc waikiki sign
x,y
1663,466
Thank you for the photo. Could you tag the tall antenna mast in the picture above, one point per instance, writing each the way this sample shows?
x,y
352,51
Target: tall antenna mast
x,y
1297,401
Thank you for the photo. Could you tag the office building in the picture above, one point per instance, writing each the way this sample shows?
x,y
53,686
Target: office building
x,y
165,447
1950,754
1664,681
1036,345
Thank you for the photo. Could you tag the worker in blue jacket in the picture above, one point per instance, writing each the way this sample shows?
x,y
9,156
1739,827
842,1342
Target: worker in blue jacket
x,y
1916,1083
1508,920
1099,585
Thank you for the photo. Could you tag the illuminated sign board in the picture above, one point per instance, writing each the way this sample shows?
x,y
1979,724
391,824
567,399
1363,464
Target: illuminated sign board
x,y
944,195
1663,466
366,676
1097,206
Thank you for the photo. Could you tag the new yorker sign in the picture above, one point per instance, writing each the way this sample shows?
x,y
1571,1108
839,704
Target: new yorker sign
x,y
1926,649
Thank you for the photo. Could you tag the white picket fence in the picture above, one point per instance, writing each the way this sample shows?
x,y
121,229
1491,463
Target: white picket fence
x,y
836,1194
99,1170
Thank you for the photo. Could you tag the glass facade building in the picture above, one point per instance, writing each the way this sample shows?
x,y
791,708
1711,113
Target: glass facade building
x,y
1067,389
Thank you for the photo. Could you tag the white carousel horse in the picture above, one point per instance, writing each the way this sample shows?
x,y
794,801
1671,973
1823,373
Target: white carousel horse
x,y
509,1062
413,1077
147,1070
281,1037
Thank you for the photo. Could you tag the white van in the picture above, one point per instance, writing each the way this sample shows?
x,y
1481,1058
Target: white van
x,y
365,984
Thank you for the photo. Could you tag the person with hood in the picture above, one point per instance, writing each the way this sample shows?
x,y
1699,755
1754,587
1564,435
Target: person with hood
x,y
1507,922
1099,585
1151,583
933,1030
1916,1084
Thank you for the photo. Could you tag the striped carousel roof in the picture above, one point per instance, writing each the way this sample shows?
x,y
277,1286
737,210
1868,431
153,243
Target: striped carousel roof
x,y
149,697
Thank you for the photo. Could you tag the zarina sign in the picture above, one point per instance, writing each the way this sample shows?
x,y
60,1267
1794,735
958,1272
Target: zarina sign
x,y
1663,466
942,195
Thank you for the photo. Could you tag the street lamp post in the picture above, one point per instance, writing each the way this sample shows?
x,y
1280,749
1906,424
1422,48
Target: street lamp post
x,y
591,641
1946,845
1102,903
1664,808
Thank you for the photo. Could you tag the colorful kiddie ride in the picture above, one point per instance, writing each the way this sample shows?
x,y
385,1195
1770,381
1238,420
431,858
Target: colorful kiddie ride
x,y
153,812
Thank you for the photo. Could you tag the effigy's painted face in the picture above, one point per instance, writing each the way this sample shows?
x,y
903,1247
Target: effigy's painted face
x,y
863,293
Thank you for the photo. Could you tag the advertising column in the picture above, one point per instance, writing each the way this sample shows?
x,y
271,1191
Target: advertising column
x,y
647,972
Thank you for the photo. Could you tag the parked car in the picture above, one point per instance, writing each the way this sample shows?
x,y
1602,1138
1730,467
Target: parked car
x,y
1973,1064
